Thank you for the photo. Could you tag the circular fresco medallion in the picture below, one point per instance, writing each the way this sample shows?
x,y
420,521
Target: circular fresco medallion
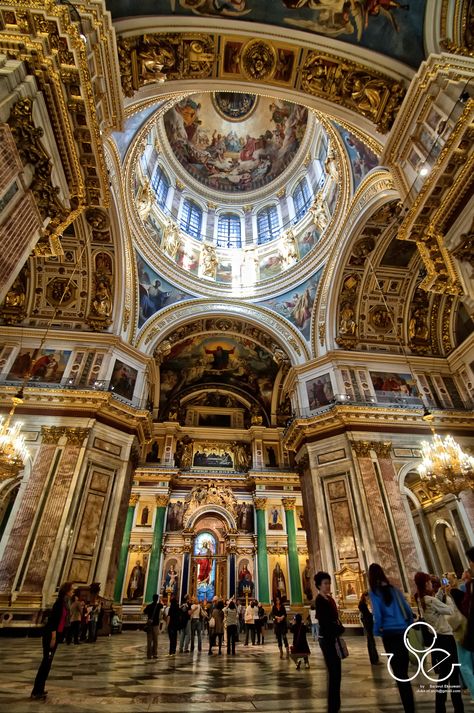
x,y
232,154
234,106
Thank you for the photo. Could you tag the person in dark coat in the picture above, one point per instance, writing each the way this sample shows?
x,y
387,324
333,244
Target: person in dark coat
x,y
468,606
153,614
173,621
52,635
367,621
300,648
280,626
330,628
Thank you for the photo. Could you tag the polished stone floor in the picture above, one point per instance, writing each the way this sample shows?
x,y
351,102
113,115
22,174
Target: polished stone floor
x,y
113,675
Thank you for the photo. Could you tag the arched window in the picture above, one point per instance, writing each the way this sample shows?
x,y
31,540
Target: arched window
x,y
301,199
268,225
160,185
229,231
191,219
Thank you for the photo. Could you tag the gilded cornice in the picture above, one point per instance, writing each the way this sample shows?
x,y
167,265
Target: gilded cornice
x,y
133,500
364,448
162,501
74,436
182,56
289,504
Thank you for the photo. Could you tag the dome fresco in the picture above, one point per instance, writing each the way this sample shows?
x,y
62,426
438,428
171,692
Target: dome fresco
x,y
233,142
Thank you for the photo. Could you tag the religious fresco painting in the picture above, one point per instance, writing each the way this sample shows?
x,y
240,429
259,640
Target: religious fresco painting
x,y
234,361
123,380
297,304
279,580
390,387
170,583
135,578
271,265
187,257
275,518
204,552
175,516
224,271
319,391
155,292
212,457
245,578
386,26
307,240
361,158
227,145
47,366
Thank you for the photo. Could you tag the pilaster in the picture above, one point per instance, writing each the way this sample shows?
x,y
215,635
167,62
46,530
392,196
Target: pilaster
x,y
154,566
289,505
124,549
262,557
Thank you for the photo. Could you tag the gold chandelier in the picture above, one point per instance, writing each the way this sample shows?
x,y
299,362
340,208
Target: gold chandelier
x,y
13,451
445,466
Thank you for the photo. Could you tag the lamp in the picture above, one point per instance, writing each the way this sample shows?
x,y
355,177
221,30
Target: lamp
x,y
445,466
13,451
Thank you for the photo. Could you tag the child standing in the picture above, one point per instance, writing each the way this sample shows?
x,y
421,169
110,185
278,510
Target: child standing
x,y
300,648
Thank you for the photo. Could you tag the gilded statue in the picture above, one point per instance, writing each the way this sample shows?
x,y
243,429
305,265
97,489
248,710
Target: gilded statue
x,y
209,261
153,57
241,457
102,302
256,418
16,295
171,240
319,212
288,248
187,456
347,325
365,92
145,199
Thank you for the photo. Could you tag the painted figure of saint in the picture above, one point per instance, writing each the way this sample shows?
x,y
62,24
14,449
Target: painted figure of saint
x,y
171,581
144,517
136,582
221,357
278,583
245,580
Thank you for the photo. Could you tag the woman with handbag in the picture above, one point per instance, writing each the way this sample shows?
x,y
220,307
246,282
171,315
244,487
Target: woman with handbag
x,y
435,612
392,616
330,632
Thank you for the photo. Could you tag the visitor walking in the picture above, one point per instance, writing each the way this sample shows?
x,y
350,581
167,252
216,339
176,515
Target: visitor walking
x,y
330,629
216,633
250,623
75,613
231,622
94,611
367,621
260,624
392,616
173,622
300,648
153,613
435,612
458,623
280,625
185,625
52,635
197,614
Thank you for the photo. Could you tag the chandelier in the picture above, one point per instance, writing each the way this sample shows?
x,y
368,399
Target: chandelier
x,y
445,466
13,451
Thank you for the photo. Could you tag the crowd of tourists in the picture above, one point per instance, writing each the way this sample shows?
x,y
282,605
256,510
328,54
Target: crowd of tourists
x,y
442,626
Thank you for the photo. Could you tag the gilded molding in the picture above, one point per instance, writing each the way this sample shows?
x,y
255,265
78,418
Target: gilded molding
x,y
133,500
51,434
74,436
260,503
289,503
162,501
382,449
361,448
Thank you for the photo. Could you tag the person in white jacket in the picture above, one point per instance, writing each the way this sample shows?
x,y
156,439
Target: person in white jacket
x,y
250,613
436,612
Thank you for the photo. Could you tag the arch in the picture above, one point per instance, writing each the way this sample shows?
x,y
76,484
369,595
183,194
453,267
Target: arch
x,y
436,524
167,320
207,510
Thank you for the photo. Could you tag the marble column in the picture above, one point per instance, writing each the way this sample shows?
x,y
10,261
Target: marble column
x,y
51,526
185,577
232,587
154,566
262,557
35,497
289,505
400,520
375,511
124,549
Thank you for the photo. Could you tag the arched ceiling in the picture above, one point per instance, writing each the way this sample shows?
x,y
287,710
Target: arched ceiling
x,y
394,29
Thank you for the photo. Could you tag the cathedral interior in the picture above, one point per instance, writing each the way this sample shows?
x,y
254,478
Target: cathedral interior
x,y
238,274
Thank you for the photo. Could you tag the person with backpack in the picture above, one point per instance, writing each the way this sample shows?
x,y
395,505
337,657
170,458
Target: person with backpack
x,y
153,613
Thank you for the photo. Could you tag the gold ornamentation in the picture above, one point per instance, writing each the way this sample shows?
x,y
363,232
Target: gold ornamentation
x,y
101,309
13,310
362,448
133,500
465,250
74,436
382,449
162,501
260,503
303,464
289,503
51,434
258,60
210,494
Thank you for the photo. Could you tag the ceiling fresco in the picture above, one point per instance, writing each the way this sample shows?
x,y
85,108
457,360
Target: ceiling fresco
x,y
154,292
218,360
392,28
235,142
361,158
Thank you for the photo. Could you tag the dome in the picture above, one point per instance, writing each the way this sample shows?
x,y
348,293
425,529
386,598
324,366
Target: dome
x,y
234,142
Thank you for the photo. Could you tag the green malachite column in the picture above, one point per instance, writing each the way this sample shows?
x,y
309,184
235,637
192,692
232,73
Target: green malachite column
x,y
295,578
124,549
154,567
263,589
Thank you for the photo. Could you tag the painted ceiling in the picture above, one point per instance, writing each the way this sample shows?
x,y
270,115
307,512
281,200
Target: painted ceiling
x,y
392,28
235,142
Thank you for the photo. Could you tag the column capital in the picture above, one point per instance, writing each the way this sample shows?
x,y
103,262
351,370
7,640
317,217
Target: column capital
x,y
260,503
382,448
74,436
361,448
162,500
289,503
134,498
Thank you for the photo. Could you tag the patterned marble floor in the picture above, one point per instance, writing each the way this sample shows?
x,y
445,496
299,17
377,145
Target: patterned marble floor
x,y
113,675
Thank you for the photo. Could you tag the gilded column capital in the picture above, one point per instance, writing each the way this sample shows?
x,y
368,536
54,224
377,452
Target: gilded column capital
x,y
51,434
362,448
260,503
303,464
134,498
162,501
76,436
383,449
289,503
